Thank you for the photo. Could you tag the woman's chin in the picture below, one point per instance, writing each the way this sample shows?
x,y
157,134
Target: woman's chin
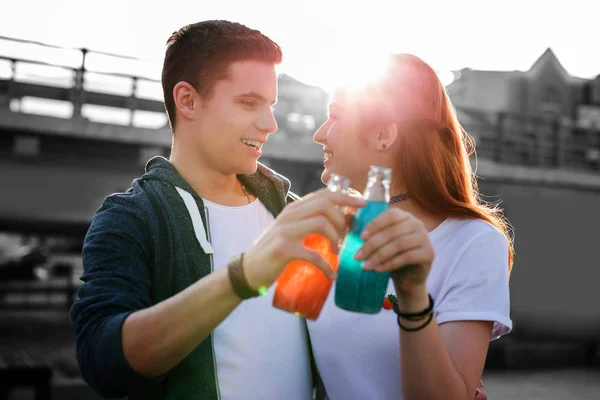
x,y
325,176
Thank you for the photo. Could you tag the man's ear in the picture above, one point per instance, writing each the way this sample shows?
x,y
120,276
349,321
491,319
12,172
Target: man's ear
x,y
186,99
387,136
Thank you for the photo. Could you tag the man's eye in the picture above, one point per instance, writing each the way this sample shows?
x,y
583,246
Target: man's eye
x,y
249,103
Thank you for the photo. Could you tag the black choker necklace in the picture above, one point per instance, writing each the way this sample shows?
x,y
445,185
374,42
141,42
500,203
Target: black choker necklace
x,y
399,198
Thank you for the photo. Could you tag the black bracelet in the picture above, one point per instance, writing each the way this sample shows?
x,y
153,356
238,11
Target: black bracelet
x,y
414,316
418,328
235,270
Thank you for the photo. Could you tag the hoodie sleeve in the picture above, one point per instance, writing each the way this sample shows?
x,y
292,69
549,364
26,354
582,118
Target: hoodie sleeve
x,y
116,277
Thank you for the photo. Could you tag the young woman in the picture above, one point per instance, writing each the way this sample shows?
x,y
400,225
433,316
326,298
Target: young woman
x,y
460,297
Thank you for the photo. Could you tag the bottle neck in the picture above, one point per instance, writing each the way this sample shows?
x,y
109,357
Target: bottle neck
x,y
338,183
377,190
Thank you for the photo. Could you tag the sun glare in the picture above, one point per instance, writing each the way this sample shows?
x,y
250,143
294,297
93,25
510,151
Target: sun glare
x,y
352,74
446,77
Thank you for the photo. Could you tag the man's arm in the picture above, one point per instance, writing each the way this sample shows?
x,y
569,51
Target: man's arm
x,y
116,254
119,329
121,337
175,326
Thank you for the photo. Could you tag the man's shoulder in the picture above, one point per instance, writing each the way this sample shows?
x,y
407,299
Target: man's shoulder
x,y
134,203
134,197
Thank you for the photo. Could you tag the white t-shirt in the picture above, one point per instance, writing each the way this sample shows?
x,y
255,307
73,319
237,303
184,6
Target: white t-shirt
x,y
358,354
261,352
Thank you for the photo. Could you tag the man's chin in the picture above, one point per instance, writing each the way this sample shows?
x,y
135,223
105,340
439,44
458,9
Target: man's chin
x,y
248,168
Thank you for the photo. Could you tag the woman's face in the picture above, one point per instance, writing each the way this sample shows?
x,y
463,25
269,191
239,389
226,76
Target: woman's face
x,y
346,139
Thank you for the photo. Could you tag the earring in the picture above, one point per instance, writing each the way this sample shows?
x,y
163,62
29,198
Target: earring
x,y
383,145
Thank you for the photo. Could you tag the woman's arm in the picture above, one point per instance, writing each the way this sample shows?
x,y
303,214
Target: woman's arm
x,y
441,362
444,359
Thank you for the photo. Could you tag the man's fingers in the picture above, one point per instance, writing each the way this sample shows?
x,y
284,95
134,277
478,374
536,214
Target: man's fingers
x,y
349,214
318,261
315,225
321,203
299,252
336,198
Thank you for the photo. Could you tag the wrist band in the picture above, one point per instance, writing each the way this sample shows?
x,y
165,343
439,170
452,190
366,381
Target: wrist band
x,y
418,328
235,270
414,316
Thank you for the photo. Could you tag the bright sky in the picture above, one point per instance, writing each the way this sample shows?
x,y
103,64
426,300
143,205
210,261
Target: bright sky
x,y
327,42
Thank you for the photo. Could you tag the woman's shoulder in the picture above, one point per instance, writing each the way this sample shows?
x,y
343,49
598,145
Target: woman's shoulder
x,y
467,232
472,227
467,245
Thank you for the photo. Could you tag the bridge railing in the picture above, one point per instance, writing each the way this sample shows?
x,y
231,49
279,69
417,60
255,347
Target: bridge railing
x,y
80,78
534,140
75,82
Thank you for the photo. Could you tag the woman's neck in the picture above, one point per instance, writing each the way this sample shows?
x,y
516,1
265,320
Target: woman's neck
x,y
430,220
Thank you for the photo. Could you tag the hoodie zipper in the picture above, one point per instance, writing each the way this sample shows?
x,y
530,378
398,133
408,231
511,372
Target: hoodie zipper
x,y
212,269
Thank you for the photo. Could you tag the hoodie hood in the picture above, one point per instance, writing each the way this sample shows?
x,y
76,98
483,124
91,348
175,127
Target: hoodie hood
x,y
269,186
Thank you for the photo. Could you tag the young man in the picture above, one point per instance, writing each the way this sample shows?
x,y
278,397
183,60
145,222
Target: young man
x,y
160,314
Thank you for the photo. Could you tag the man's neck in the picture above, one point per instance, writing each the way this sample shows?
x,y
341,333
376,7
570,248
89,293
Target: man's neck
x,y
209,183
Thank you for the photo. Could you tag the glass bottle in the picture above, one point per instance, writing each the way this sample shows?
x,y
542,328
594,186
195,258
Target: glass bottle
x,y
356,289
302,288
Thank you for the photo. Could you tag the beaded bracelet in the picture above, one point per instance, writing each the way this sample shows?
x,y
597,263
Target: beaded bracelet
x,y
418,328
414,316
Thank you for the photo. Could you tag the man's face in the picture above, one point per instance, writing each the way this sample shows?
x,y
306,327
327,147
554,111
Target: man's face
x,y
237,119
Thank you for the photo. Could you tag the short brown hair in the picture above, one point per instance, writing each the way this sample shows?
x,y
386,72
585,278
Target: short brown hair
x,y
201,53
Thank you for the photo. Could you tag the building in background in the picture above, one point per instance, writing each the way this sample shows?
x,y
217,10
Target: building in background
x,y
536,104
546,88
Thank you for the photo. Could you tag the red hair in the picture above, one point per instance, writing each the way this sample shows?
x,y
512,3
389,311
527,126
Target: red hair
x,y
434,161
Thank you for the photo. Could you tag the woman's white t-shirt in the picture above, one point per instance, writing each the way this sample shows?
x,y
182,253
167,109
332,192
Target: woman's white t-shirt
x,y
358,354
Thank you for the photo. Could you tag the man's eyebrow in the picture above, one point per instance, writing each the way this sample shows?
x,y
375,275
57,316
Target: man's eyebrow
x,y
257,96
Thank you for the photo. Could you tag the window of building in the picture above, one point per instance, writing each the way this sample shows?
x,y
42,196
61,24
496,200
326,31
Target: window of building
x,y
551,101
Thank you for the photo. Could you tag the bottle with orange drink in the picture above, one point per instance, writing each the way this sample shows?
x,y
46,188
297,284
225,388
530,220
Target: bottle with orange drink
x,y
302,288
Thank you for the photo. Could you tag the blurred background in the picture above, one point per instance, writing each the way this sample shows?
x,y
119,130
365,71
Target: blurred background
x,y
81,112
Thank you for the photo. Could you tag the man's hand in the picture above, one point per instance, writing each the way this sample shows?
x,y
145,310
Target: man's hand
x,y
282,242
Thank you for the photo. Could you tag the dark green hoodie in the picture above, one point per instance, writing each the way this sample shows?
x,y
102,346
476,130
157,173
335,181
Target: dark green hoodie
x,y
139,250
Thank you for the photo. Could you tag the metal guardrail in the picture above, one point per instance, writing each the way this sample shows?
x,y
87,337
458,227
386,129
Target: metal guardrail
x,y
533,140
508,138
74,91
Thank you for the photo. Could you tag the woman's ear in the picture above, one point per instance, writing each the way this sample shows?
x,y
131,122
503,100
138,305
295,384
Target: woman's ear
x,y
387,136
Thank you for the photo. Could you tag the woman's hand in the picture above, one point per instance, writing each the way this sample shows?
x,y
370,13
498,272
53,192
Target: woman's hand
x,y
398,243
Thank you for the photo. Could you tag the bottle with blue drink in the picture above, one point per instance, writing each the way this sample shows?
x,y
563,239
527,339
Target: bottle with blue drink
x,y
356,289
